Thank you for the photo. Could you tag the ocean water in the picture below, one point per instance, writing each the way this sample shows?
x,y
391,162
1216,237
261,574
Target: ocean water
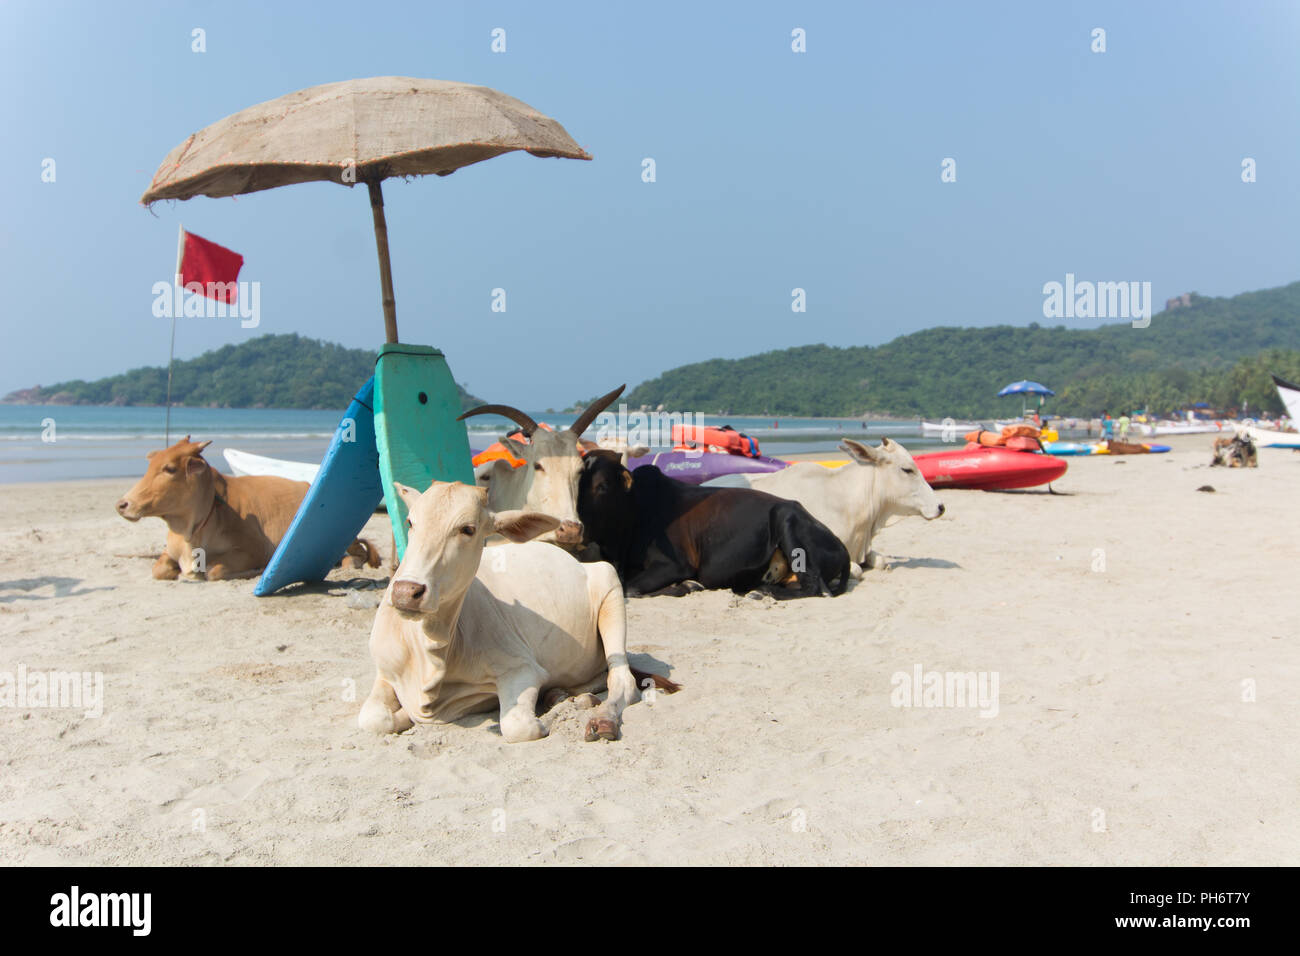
x,y
67,442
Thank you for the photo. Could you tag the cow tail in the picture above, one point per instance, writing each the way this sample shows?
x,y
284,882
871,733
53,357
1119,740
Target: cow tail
x,y
661,683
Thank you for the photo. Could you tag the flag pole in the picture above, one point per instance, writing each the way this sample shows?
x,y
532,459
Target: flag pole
x,y
171,351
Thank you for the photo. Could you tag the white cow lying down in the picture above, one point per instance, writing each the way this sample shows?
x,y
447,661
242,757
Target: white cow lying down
x,y
855,500
454,637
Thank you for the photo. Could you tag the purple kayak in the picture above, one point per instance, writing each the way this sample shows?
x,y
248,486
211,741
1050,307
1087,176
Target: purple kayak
x,y
695,467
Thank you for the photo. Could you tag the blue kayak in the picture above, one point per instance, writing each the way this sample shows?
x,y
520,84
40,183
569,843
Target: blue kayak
x,y
1059,448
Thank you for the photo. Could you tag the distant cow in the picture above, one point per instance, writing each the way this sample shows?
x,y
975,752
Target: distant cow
x,y
457,635
218,526
1236,452
660,532
547,481
854,500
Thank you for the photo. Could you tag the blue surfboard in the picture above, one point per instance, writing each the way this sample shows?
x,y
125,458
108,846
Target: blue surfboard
x,y
339,503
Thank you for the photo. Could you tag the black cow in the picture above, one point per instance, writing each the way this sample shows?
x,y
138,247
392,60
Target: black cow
x,y
659,532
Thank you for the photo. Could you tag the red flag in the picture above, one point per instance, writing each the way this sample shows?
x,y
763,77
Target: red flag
x,y
215,267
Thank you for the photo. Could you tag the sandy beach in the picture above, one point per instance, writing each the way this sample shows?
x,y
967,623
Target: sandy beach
x,y
1142,634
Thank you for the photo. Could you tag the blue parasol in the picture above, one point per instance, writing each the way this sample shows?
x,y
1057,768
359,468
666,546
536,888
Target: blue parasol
x,y
1026,388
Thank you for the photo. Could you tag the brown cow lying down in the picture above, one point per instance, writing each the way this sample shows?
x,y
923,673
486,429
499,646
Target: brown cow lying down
x,y
218,526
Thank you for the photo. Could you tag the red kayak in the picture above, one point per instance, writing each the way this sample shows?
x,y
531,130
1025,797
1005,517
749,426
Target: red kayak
x,y
988,468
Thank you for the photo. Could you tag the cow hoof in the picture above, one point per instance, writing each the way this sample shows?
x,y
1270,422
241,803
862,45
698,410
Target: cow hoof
x,y
516,730
193,576
602,728
378,719
755,596
689,587
555,696
586,701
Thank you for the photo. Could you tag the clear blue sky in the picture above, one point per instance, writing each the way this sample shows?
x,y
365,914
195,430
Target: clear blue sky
x,y
775,170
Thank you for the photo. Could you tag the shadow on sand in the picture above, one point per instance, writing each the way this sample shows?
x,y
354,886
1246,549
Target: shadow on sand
x,y
63,587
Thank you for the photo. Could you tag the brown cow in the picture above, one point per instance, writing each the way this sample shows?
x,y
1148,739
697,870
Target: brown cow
x,y
218,527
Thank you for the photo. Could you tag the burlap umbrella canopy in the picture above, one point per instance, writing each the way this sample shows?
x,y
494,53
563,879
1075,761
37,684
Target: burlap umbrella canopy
x,y
358,131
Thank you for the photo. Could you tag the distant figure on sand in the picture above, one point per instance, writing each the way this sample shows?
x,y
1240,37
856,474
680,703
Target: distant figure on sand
x,y
1123,427
1107,426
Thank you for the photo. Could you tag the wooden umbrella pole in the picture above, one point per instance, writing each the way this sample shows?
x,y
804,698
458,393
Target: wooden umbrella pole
x,y
385,264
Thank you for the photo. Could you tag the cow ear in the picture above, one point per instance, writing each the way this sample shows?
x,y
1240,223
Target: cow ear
x,y
149,456
408,494
608,454
627,480
862,454
520,526
516,448
638,451
194,465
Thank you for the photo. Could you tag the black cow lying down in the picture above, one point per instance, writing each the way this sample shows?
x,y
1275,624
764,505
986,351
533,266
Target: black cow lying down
x,y
659,533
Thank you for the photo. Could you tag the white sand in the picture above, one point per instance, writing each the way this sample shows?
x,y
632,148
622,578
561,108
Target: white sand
x,y
1122,736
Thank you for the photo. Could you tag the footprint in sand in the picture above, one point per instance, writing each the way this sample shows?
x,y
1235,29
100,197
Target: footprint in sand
x,y
592,851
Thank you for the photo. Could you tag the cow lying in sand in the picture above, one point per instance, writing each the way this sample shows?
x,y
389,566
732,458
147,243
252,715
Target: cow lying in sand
x,y
665,536
1236,452
854,500
218,526
456,636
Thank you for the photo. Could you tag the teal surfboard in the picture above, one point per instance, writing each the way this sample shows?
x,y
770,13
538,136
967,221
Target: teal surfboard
x,y
344,495
418,437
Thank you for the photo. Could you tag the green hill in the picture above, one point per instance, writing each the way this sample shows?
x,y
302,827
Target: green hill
x,y
1218,350
270,371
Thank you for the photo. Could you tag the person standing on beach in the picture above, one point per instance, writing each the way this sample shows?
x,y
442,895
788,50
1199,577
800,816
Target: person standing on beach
x,y
1123,427
1107,425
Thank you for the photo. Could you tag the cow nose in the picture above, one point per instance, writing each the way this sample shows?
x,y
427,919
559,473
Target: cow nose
x,y
569,532
408,594
941,509
122,506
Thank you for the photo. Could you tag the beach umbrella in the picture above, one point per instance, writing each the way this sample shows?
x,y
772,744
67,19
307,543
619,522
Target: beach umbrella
x,y
1024,387
358,131
364,131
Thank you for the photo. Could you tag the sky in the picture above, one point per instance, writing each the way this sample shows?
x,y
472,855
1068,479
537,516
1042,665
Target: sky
x,y
774,170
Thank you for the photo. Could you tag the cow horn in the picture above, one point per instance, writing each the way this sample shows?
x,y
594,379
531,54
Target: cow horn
x,y
595,408
506,411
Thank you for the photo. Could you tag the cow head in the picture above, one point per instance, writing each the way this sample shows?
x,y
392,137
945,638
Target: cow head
x,y
447,527
898,483
177,484
547,482
605,502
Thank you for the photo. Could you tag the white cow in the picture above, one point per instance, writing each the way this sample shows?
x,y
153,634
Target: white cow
x,y
454,636
547,482
855,500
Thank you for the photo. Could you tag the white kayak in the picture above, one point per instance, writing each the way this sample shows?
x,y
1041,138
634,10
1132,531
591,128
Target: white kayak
x,y
948,426
1264,438
245,463
1182,428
